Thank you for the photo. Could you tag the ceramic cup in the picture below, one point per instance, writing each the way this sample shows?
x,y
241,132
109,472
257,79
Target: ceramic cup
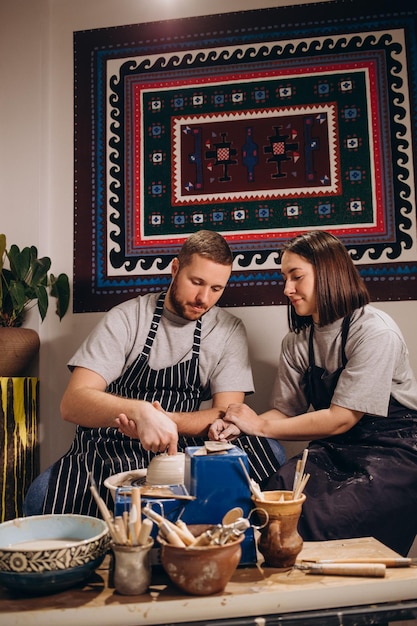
x,y
132,568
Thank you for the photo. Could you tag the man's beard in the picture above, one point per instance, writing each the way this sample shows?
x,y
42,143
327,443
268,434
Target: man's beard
x,y
179,308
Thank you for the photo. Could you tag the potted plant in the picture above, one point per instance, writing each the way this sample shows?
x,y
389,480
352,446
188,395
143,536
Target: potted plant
x,y
25,281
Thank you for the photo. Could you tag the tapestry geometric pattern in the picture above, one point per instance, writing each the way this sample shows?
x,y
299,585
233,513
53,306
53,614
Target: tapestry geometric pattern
x,y
257,124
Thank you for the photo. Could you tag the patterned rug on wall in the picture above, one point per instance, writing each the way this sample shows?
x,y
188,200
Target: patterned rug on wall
x,y
258,124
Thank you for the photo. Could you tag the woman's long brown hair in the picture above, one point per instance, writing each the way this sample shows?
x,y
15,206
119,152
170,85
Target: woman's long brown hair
x,y
339,287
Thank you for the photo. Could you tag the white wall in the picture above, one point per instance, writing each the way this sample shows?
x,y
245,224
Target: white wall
x,y
36,175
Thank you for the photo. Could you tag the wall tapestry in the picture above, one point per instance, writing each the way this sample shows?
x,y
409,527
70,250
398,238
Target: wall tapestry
x,y
258,124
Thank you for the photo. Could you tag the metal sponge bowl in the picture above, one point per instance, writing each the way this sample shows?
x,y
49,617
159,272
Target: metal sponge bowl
x,y
48,553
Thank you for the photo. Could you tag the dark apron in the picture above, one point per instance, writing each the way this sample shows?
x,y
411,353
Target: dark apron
x,y
363,483
105,451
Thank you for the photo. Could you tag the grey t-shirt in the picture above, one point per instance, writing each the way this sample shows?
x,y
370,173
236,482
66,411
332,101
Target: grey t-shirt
x,y
377,365
119,337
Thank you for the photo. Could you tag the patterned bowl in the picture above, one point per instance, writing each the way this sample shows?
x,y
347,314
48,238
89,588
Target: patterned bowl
x,y
48,553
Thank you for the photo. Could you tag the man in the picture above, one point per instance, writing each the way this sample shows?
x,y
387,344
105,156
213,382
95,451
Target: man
x,y
140,377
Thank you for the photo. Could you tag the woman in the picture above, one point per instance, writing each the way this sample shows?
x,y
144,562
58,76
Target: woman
x,y
344,383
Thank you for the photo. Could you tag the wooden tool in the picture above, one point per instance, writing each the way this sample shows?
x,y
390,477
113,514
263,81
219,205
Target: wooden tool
x,y
372,570
137,504
400,561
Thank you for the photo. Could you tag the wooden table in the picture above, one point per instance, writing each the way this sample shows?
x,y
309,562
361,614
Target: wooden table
x,y
255,595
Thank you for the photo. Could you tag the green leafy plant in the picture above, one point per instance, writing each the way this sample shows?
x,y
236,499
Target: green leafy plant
x,y
26,282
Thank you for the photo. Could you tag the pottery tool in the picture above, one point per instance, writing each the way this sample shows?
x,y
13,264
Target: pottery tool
x,y
300,479
107,516
145,531
170,535
162,491
133,515
232,515
121,529
395,561
371,570
253,485
136,502
186,534
169,531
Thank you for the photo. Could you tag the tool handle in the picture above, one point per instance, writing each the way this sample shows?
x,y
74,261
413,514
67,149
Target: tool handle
x,y
394,561
183,531
170,535
145,531
373,570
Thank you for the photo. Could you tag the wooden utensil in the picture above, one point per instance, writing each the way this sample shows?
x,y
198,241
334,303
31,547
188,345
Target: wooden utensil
x,y
372,570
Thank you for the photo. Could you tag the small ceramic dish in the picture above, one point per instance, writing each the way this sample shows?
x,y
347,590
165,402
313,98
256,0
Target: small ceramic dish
x,y
44,554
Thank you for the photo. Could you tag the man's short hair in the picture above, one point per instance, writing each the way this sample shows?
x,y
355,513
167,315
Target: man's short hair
x,y
206,243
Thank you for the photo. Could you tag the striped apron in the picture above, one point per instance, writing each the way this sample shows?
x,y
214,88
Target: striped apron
x,y
105,451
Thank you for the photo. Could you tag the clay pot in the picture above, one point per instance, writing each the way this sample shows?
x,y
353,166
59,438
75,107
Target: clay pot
x,y
202,570
18,348
280,542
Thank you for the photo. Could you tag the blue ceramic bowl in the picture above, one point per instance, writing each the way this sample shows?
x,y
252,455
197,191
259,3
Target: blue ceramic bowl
x,y
48,553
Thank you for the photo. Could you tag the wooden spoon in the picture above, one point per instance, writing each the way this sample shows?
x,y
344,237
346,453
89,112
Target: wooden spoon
x,y
232,515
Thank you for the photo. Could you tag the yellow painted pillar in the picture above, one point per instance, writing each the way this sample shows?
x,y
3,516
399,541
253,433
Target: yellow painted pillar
x,y
19,446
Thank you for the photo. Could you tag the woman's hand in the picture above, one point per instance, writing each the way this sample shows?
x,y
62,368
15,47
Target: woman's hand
x,y
222,431
244,418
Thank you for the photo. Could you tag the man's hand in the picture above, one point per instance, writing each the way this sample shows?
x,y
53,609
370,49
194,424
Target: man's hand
x,y
152,426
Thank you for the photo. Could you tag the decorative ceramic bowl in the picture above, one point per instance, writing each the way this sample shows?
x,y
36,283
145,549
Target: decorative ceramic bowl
x,y
47,553
202,570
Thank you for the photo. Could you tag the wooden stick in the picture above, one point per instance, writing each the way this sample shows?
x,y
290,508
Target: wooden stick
x,y
373,570
296,474
145,531
185,534
120,527
301,485
125,518
136,502
395,561
133,514
107,516
170,535
253,486
165,524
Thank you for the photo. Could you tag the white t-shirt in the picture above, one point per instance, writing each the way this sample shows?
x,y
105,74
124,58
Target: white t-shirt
x,y
377,365
119,337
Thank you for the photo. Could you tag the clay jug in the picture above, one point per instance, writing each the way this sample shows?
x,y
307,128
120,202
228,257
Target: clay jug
x,y
280,542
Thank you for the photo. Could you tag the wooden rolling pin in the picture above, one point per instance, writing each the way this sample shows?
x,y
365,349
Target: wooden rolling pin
x,y
372,570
